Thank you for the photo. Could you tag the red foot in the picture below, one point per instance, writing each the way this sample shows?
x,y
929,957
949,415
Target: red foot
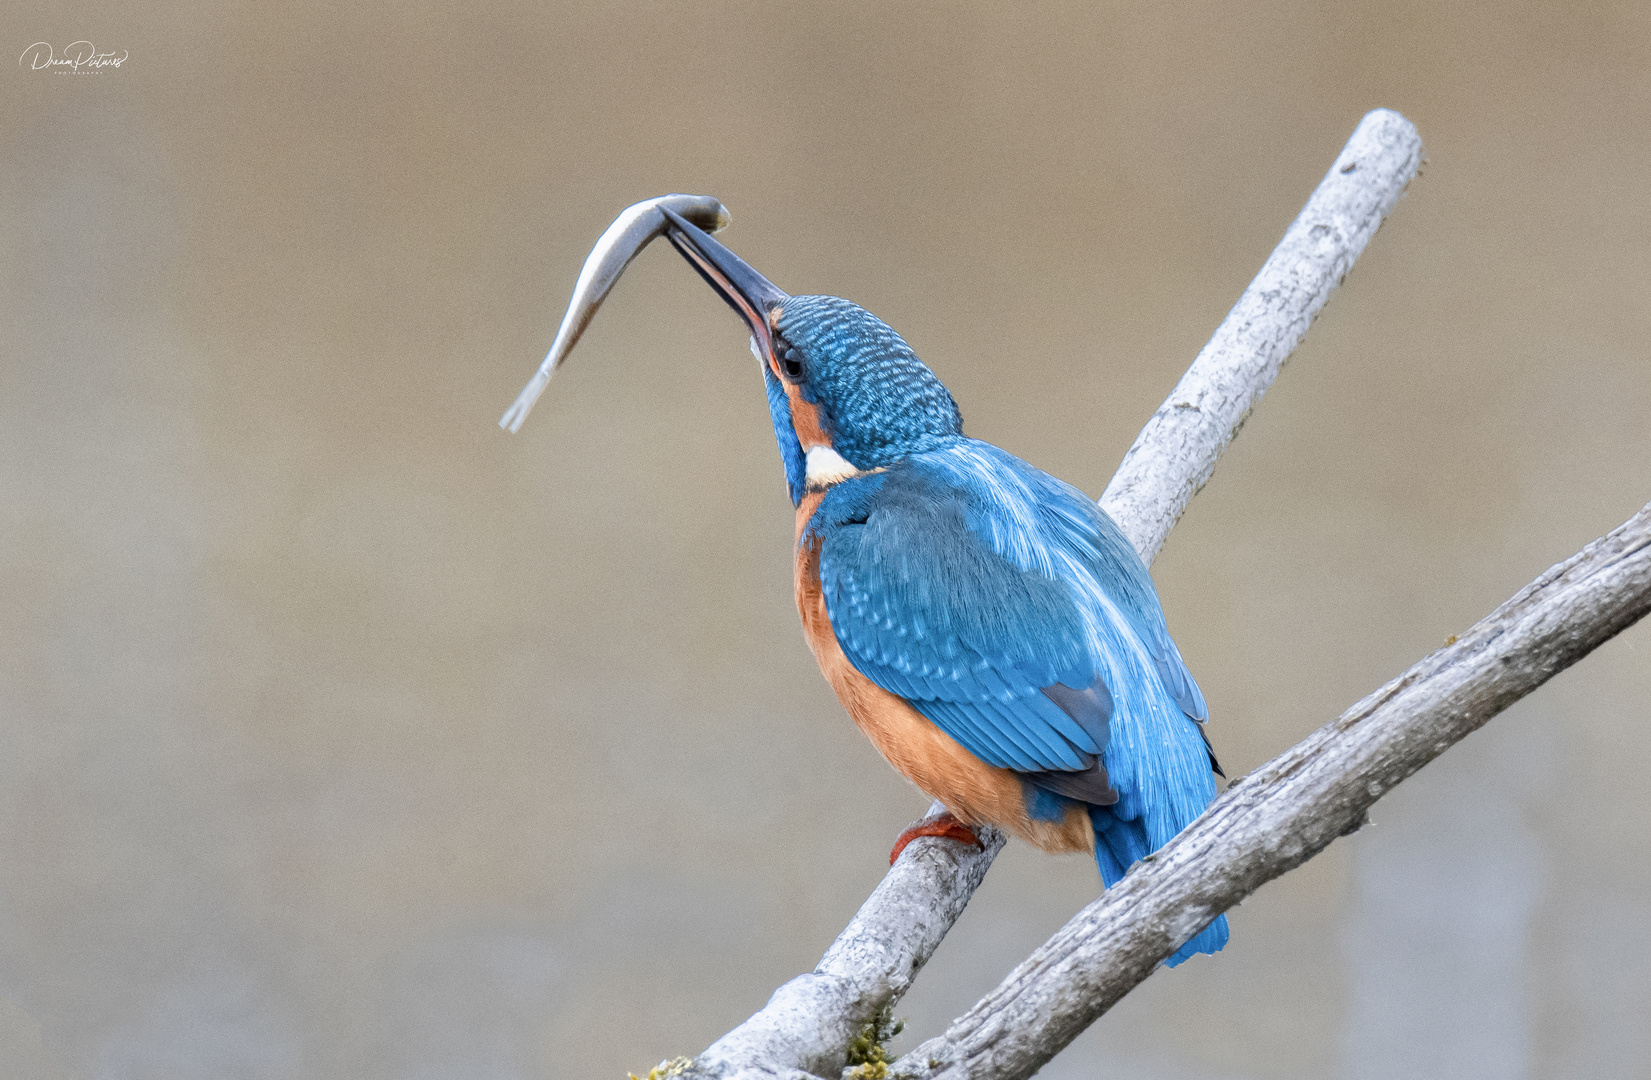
x,y
945,825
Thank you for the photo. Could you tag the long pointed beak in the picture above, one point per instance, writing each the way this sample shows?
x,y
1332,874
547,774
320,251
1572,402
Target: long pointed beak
x,y
750,294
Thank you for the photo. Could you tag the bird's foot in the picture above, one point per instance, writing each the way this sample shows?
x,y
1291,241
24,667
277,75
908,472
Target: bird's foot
x,y
945,825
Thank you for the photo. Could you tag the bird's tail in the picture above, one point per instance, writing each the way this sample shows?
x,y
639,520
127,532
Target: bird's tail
x,y
1121,843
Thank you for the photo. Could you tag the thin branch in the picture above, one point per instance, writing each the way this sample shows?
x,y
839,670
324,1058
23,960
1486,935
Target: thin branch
x,y
1175,453
809,1021
1291,809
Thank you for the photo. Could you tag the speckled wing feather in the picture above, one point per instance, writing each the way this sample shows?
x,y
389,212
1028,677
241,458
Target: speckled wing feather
x,y
949,580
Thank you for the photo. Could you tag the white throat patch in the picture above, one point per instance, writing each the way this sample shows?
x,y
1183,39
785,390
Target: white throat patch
x,y
826,466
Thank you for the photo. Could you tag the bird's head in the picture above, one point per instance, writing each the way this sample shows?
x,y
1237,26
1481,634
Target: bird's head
x,y
846,393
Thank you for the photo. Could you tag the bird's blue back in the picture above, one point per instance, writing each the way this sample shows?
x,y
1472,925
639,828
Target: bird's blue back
x,y
967,582
1000,602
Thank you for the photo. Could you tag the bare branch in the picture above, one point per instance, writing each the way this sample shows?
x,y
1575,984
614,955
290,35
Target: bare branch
x,y
1292,808
809,1021
1175,453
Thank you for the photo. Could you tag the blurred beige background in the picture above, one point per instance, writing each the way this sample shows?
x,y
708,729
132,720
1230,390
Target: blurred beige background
x,y
342,735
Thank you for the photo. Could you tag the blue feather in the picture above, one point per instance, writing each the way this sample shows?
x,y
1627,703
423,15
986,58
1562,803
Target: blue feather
x,y
886,402
1018,583
997,600
791,451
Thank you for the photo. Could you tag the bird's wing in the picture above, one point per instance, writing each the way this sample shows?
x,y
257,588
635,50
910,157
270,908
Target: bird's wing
x,y
1040,523
930,599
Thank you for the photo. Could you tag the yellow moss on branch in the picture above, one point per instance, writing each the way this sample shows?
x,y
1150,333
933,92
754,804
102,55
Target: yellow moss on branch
x,y
867,1058
665,1070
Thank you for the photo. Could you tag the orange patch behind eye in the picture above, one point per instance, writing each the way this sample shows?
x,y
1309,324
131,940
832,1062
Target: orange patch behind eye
x,y
805,415
805,419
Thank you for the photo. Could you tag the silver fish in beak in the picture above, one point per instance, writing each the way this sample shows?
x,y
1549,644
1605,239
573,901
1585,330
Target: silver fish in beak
x,y
630,232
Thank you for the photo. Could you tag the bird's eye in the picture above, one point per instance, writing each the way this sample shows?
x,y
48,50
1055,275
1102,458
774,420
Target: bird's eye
x,y
792,366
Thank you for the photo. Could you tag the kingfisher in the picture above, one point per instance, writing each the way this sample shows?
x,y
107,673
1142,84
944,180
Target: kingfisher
x,y
985,624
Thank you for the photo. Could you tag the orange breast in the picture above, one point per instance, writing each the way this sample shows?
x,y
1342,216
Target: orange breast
x,y
940,767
